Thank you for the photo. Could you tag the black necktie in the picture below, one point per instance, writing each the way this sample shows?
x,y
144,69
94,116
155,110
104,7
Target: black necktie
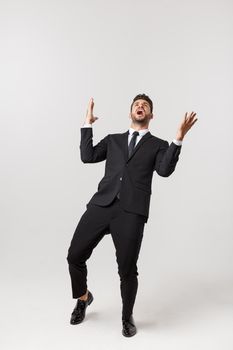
x,y
132,142
131,147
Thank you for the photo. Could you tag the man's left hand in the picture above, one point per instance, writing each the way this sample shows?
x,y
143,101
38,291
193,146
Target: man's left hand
x,y
186,124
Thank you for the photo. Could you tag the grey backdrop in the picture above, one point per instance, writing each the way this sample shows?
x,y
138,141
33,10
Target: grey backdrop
x,y
55,55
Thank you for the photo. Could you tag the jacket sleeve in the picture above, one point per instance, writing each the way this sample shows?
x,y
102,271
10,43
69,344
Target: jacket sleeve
x,y
90,153
166,158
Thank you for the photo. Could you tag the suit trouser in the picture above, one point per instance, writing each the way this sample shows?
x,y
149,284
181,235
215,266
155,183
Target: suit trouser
x,y
127,232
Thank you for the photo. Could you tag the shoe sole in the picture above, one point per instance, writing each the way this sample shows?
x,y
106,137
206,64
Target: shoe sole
x,y
128,336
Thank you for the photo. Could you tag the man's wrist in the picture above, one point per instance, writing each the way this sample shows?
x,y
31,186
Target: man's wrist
x,y
87,125
177,142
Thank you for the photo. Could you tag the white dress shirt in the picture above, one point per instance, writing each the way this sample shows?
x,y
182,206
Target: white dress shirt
x,y
141,133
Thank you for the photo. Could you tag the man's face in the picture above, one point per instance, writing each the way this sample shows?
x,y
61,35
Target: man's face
x,y
141,113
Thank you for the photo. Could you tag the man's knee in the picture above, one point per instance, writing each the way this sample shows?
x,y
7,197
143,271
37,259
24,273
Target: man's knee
x,y
128,273
78,255
75,257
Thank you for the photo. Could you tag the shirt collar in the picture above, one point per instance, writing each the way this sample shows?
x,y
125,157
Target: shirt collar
x,y
141,132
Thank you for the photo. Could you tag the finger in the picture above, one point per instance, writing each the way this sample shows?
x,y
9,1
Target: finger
x,y
191,116
187,118
194,121
91,105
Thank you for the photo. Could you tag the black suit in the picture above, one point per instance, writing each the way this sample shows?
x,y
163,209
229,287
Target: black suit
x,y
124,218
131,176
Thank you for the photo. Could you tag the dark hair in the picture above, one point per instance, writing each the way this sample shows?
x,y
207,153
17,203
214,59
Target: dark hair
x,y
142,97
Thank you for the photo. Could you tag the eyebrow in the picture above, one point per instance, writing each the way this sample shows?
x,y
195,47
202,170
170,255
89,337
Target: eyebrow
x,y
145,103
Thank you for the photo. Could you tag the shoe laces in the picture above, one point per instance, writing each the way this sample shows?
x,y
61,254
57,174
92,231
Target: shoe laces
x,y
80,307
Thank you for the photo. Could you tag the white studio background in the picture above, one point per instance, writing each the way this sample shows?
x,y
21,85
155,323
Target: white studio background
x,y
55,55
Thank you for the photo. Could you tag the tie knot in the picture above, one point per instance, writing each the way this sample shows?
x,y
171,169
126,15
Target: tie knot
x,y
135,133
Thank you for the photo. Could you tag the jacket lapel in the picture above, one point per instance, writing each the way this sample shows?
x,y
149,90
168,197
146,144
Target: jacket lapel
x,y
139,144
124,144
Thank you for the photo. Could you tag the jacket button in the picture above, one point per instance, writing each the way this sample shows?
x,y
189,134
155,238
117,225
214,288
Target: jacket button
x,y
120,178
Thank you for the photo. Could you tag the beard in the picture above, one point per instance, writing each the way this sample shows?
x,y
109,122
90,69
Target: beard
x,y
140,119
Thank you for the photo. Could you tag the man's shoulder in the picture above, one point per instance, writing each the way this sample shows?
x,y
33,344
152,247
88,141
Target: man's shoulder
x,y
154,138
118,134
157,139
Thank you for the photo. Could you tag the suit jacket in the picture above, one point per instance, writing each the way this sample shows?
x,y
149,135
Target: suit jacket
x,y
131,176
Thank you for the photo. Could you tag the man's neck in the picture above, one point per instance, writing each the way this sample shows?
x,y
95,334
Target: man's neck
x,y
139,127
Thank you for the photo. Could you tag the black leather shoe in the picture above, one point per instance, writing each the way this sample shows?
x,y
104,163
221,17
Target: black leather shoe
x,y
129,328
79,311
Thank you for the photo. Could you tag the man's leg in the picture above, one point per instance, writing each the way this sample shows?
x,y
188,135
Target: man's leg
x,y
91,228
127,233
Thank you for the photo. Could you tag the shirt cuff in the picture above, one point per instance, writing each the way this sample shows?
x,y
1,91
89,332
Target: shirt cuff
x,y
177,142
86,125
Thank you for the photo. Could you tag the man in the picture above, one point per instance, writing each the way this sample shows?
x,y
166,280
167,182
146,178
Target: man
x,y
121,203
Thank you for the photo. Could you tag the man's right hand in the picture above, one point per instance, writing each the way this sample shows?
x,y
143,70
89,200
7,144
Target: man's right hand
x,y
90,118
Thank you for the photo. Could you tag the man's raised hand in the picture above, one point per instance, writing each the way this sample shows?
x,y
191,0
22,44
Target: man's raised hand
x,y
90,118
187,122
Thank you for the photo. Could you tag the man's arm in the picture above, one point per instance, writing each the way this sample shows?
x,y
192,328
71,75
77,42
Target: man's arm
x,y
168,156
88,152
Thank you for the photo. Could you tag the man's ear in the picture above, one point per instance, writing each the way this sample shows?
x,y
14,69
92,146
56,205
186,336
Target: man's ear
x,y
152,116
